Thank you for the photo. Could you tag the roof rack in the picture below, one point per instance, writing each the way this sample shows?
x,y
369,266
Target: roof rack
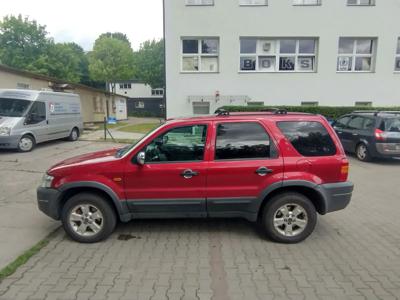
x,y
376,112
222,112
276,111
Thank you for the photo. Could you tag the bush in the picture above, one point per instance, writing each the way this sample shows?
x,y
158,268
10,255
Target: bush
x,y
331,112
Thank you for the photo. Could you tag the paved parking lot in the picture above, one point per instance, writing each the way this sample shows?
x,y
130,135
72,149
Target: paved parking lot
x,y
353,254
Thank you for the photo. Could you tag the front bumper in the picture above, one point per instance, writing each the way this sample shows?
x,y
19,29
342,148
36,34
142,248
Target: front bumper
x,y
336,196
9,142
48,202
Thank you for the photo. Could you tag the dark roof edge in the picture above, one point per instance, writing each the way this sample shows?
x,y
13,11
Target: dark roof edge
x,y
55,80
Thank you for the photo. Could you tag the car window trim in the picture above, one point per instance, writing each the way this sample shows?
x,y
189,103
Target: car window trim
x,y
207,125
271,141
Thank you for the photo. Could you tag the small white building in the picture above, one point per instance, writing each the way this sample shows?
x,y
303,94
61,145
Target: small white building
x,y
275,52
136,89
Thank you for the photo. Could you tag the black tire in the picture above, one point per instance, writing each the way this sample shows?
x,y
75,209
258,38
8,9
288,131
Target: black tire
x,y
362,153
109,219
74,135
271,210
23,146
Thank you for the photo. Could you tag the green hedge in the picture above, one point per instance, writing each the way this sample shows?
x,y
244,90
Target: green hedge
x,y
332,112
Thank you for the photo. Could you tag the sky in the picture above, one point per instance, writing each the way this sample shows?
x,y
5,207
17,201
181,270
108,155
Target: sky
x,y
82,21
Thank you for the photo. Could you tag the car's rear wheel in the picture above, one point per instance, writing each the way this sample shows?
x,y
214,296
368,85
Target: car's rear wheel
x,y
26,143
289,218
362,152
74,135
88,218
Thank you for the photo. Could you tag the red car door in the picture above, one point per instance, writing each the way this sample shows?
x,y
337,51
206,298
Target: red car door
x,y
172,181
243,164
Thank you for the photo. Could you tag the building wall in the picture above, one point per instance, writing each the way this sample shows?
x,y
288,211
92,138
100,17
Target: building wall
x,y
146,107
88,96
136,90
333,19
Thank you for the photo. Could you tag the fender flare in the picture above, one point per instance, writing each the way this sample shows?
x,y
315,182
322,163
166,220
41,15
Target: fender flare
x,y
119,204
322,201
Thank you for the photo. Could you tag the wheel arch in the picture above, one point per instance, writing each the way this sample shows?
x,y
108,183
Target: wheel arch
x,y
306,188
72,189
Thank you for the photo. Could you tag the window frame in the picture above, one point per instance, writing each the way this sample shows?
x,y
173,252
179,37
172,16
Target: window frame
x,y
371,3
354,55
199,4
318,3
143,148
277,54
251,5
274,152
199,55
397,56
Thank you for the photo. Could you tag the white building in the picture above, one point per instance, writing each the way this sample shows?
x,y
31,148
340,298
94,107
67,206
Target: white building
x,y
136,89
281,52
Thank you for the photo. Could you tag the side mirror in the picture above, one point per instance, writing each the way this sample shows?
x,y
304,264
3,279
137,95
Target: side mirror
x,y
141,158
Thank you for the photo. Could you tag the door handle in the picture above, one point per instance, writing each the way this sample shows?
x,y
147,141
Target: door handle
x,y
355,134
187,174
262,171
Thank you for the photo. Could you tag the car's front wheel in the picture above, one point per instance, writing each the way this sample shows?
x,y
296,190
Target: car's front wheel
x,y
289,218
88,218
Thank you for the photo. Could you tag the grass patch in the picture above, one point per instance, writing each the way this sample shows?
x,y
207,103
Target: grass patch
x,y
139,128
22,259
113,126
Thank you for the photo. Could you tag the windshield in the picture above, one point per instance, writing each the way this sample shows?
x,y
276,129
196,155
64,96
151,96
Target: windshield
x,y
13,107
121,152
391,125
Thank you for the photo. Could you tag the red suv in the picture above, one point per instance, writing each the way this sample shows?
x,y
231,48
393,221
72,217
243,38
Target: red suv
x,y
276,168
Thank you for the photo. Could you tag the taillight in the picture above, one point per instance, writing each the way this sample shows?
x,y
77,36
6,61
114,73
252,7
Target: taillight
x,y
344,170
380,135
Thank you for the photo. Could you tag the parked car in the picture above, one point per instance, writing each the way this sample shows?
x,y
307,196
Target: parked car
x,y
370,134
30,117
276,168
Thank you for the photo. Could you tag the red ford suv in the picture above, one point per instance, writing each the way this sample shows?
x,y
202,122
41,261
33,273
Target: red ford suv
x,y
276,168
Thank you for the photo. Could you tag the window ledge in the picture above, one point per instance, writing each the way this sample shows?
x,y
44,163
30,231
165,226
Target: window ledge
x,y
276,72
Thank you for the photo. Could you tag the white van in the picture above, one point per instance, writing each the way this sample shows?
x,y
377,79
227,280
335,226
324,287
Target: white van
x,y
30,117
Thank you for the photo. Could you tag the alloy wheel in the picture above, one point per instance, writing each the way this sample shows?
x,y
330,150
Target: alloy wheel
x,y
86,220
290,220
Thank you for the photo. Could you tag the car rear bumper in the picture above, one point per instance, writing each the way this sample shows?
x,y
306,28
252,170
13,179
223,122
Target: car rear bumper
x,y
48,202
388,149
9,142
336,195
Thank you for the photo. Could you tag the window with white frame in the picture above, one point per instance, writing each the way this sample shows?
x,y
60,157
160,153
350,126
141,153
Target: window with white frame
x,y
200,55
253,2
199,2
397,61
306,2
139,104
278,55
157,92
356,54
361,2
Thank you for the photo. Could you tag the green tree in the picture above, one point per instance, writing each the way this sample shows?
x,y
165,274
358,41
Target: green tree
x,y
115,35
22,42
110,60
64,61
149,63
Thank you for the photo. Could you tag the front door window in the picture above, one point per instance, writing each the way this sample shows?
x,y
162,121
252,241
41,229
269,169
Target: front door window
x,y
181,144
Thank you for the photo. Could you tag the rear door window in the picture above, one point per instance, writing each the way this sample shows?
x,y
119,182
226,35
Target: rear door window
x,y
342,123
247,140
308,138
356,123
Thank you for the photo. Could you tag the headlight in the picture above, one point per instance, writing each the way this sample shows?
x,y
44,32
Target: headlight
x,y
47,181
5,131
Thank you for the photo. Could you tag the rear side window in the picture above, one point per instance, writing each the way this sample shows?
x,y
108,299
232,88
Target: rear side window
x,y
342,123
356,123
391,125
308,138
242,141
